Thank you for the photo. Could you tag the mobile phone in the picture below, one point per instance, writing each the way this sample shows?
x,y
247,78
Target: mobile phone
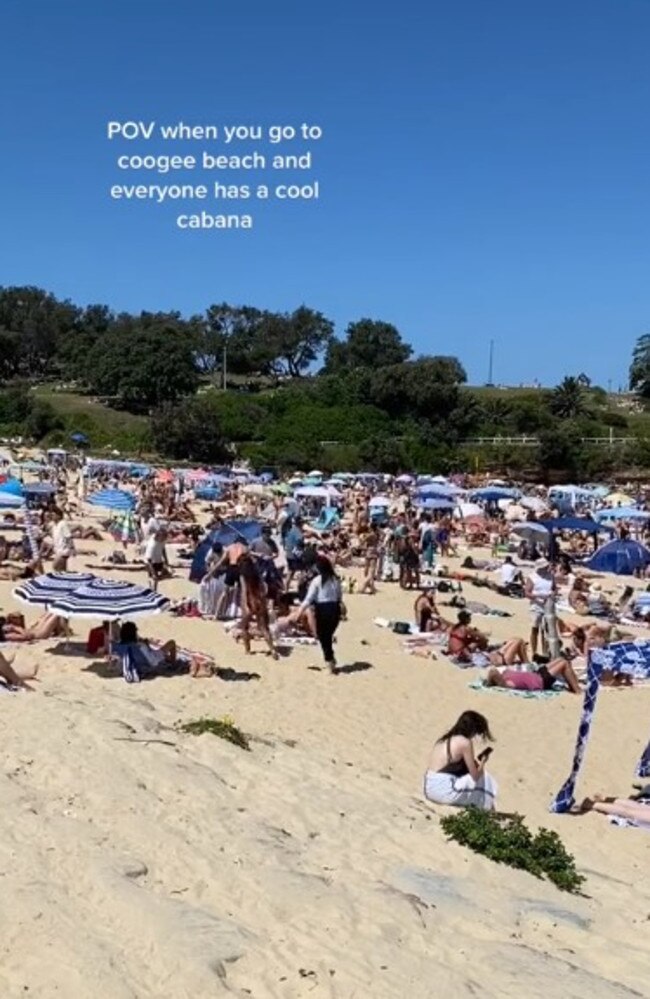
x,y
485,754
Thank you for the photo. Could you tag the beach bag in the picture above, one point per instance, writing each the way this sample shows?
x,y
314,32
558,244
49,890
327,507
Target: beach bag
x,y
401,628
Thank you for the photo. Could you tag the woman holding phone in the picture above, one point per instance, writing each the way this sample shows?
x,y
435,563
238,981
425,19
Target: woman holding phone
x,y
456,774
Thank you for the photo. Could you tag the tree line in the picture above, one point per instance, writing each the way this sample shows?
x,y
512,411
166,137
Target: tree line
x,y
293,387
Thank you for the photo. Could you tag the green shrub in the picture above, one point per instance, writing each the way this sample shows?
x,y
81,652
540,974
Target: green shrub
x,y
223,728
507,840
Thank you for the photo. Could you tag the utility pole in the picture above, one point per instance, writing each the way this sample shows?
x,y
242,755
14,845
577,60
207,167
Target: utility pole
x,y
491,363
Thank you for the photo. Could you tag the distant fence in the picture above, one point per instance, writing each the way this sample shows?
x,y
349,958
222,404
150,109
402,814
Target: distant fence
x,y
525,441
522,441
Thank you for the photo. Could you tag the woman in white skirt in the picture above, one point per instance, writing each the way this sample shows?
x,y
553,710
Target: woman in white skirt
x,y
456,775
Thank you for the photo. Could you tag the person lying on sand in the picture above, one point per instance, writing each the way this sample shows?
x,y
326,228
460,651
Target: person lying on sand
x,y
624,808
539,679
13,678
47,626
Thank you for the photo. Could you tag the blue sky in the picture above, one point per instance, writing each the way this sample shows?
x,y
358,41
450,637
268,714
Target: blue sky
x,y
484,169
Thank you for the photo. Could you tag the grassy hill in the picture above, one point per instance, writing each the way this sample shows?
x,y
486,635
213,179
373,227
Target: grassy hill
x,y
105,427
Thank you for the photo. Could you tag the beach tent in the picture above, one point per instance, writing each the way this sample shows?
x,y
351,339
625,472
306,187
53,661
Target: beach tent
x,y
228,533
631,658
621,556
326,493
78,438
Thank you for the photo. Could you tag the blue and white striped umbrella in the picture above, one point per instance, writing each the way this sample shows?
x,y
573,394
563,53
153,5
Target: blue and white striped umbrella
x,y
109,599
8,501
112,499
49,587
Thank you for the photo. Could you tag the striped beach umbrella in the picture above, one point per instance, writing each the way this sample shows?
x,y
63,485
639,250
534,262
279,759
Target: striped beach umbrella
x,y
109,600
112,499
49,587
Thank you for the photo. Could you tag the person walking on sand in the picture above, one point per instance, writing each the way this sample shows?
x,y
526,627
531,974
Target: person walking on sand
x,y
62,542
325,598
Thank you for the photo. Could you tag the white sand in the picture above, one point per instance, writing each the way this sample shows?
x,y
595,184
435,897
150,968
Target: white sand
x,y
139,862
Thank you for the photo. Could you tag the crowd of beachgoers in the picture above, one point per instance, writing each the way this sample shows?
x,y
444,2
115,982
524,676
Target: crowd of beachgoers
x,y
278,560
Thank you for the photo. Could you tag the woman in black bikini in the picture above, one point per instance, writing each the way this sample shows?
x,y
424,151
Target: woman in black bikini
x,y
456,774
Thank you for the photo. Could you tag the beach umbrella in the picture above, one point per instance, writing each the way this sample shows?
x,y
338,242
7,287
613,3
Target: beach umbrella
x,y
10,502
112,499
620,499
533,503
12,486
109,600
492,494
47,588
622,513
531,531
436,503
123,527
384,501
40,489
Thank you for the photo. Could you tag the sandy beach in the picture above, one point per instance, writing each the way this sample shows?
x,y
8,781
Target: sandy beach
x,y
139,862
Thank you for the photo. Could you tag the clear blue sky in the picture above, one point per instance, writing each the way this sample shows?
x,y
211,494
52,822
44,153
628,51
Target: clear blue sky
x,y
485,167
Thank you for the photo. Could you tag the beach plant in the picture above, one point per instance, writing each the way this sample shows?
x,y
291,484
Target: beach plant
x,y
507,840
223,728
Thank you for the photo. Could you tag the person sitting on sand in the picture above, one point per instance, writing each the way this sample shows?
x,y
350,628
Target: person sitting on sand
x,y
540,679
12,678
152,657
464,640
47,626
426,613
455,775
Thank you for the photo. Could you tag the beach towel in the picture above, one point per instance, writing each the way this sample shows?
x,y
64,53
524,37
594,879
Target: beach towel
x,y
290,641
536,694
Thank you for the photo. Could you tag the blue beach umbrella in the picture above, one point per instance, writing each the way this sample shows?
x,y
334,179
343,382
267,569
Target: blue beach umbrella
x,y
109,600
49,587
112,499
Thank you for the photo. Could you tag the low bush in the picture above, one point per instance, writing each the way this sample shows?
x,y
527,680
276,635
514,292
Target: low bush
x,y
507,840
223,728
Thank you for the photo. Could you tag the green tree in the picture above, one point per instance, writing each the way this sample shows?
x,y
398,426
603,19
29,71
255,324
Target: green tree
x,y
368,343
9,355
40,320
640,367
289,343
568,399
144,362
189,430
